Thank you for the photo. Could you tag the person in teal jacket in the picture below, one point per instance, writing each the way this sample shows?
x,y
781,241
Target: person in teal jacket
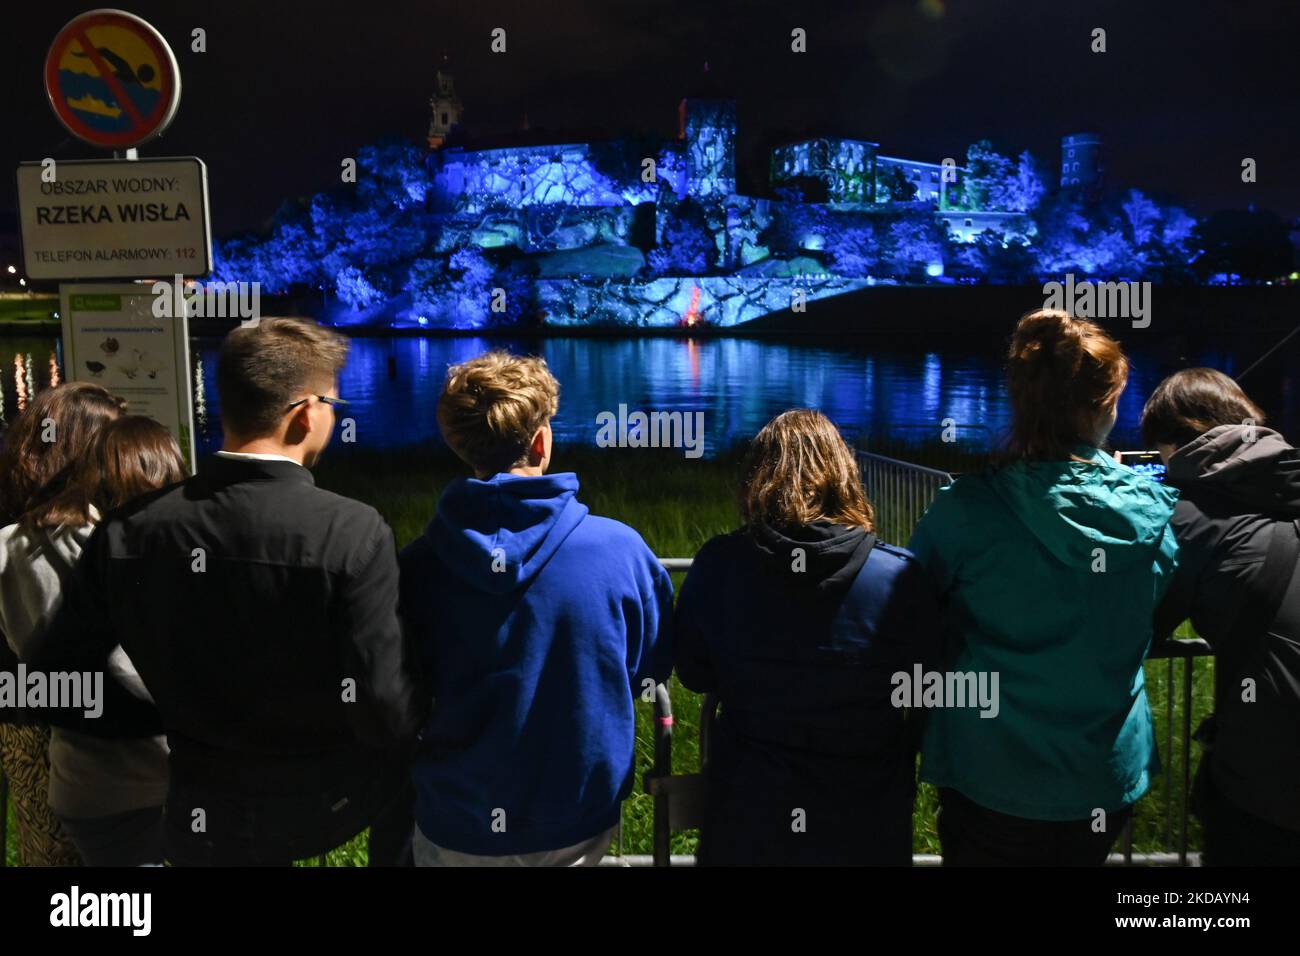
x,y
1050,567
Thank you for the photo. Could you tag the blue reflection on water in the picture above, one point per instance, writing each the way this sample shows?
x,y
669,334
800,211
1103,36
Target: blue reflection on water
x,y
900,392
739,384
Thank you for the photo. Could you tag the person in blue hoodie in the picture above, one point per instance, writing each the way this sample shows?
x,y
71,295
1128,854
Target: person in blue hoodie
x,y
806,625
539,625
1050,567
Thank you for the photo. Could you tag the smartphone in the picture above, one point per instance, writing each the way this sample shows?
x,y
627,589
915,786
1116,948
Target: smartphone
x,y
1147,463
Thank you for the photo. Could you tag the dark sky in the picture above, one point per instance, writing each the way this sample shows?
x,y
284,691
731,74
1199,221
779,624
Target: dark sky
x,y
286,90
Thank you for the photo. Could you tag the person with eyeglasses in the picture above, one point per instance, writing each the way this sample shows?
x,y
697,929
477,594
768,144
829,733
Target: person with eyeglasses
x,y
261,614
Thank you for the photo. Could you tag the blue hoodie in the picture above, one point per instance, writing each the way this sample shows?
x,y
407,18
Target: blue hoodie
x,y
537,623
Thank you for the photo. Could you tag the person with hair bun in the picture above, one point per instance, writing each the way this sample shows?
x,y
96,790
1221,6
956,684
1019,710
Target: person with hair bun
x,y
1050,566
1237,524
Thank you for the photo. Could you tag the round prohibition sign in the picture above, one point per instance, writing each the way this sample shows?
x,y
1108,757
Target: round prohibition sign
x,y
112,80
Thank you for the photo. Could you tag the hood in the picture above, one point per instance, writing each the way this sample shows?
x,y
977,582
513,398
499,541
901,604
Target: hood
x,y
832,554
497,534
59,547
1263,474
1077,506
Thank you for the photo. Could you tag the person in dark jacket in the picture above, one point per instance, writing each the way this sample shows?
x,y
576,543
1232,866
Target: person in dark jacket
x,y
261,613
540,625
1240,488
804,624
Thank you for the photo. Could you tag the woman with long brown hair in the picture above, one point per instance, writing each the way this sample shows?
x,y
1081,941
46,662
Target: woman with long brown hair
x,y
108,774
800,622
1050,567
41,448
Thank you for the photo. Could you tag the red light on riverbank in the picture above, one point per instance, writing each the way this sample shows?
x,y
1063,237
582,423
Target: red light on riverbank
x,y
692,316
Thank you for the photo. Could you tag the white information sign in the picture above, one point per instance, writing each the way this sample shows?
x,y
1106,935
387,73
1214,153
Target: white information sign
x,y
111,338
115,218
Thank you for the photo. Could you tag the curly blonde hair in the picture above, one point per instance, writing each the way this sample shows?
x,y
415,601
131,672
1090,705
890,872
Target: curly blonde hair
x,y
492,405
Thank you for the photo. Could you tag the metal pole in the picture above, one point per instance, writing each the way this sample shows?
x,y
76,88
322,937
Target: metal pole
x,y
1169,749
4,818
1188,664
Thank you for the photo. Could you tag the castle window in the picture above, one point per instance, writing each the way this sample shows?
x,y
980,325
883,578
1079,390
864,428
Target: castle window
x,y
970,222
444,119
1072,154
1076,168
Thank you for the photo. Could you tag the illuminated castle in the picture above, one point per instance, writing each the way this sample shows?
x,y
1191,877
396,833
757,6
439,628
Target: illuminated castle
x,y
664,231
1082,168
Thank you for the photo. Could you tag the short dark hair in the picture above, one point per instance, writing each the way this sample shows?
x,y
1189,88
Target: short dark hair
x,y
1190,402
264,367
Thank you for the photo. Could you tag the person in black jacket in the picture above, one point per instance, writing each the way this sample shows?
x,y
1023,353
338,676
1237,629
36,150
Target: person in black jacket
x,y
261,613
1240,499
802,622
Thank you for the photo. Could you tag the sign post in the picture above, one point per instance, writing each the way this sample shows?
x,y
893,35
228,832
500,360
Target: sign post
x,y
113,82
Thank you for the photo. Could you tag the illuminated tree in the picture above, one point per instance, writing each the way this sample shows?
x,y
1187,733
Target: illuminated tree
x,y
687,246
355,289
892,185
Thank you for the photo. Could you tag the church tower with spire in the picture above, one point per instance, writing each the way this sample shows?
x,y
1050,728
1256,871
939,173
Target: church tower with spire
x,y
445,107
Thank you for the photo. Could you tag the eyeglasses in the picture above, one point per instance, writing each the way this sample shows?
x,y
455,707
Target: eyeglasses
x,y
328,400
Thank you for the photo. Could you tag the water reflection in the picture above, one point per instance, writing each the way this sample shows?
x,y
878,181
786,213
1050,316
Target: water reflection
x,y
739,384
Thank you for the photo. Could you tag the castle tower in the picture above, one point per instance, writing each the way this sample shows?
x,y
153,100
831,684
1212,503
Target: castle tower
x,y
445,107
1082,168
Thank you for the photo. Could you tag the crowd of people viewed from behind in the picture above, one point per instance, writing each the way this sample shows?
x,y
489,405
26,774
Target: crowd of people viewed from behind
x,y
278,678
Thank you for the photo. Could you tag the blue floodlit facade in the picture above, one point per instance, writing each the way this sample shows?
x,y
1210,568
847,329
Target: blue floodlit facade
x,y
638,233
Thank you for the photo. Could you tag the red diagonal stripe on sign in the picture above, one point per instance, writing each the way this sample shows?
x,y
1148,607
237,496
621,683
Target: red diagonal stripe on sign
x,y
106,72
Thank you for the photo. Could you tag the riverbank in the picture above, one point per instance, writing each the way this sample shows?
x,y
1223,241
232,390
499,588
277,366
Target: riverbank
x,y
958,313
27,314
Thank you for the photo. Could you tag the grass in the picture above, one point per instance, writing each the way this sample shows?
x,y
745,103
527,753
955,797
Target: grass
x,y
24,310
678,504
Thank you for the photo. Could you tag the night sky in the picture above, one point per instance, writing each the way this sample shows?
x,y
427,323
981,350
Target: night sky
x,y
285,91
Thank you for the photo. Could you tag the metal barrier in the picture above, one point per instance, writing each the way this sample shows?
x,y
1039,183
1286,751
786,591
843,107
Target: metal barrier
x,y
900,492
4,818
679,799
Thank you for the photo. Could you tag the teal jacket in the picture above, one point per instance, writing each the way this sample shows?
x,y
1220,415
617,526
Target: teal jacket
x,y
1050,573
